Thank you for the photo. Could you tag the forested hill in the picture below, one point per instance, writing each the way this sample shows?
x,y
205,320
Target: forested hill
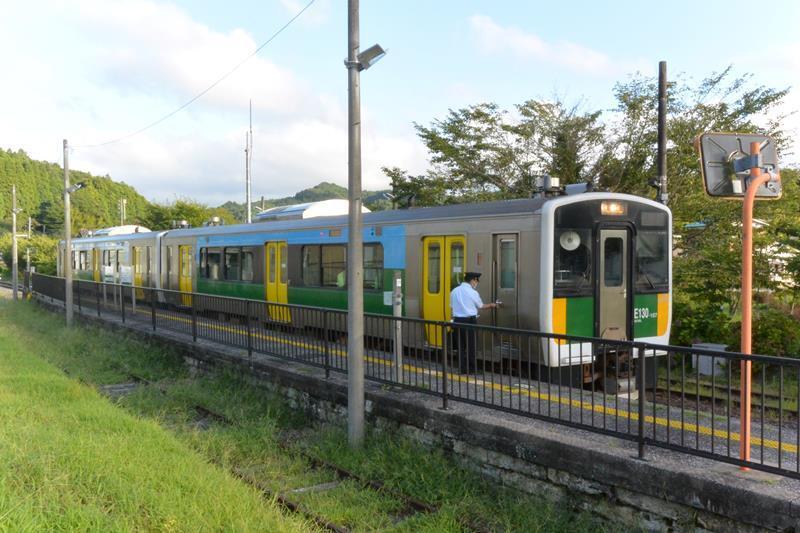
x,y
40,188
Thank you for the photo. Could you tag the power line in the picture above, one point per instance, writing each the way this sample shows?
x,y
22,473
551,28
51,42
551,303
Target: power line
x,y
204,91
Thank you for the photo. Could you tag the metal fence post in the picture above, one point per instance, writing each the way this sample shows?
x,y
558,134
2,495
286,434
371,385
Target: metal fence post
x,y
325,340
153,308
249,333
194,319
443,326
640,374
122,302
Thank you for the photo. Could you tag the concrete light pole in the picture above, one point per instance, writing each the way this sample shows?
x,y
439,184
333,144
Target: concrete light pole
x,y
355,63
14,263
67,242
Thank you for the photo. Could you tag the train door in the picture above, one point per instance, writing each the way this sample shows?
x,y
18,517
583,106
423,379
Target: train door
x,y
96,265
443,267
276,276
506,280
185,267
614,283
137,262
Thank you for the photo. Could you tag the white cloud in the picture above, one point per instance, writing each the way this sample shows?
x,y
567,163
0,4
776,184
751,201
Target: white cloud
x,y
494,39
125,64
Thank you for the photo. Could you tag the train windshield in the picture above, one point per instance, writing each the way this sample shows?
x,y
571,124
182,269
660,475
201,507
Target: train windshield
x,y
572,273
652,253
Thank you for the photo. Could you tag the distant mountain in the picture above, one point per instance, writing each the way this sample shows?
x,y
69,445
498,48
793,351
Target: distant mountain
x,y
374,200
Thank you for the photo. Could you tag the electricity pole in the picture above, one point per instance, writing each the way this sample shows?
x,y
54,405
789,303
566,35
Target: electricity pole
x,y
248,153
355,253
67,242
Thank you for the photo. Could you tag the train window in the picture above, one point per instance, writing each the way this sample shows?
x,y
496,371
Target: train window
x,y
456,264
271,263
508,264
203,262
213,261
613,261
373,266
283,252
247,264
434,263
311,266
334,266
82,260
232,266
652,262
572,262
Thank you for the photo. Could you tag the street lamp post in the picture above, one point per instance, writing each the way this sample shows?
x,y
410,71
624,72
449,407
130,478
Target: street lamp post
x,y
67,242
355,63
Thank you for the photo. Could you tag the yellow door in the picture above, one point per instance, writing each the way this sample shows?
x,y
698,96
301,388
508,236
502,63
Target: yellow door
x,y
137,271
276,277
96,264
443,267
185,273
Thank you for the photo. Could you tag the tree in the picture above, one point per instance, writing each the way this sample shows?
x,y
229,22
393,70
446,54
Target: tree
x,y
482,152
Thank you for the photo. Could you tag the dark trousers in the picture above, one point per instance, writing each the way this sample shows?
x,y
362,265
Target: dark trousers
x,y
466,339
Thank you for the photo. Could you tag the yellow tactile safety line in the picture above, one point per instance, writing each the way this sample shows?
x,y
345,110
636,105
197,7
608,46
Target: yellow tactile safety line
x,y
602,409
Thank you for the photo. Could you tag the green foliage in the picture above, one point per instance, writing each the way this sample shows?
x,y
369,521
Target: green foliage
x,y
698,320
43,252
163,216
482,152
774,332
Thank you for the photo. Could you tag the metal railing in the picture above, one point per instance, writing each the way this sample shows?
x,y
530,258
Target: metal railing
x,y
651,394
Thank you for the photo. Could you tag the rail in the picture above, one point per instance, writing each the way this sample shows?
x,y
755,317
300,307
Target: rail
x,y
646,393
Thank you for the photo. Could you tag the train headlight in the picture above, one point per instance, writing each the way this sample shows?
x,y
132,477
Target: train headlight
x,y
612,208
570,240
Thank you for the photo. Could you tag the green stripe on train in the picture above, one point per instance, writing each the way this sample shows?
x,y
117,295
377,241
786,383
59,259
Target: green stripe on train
x,y
580,316
645,315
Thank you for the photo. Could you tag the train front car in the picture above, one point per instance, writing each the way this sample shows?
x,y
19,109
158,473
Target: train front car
x,y
606,267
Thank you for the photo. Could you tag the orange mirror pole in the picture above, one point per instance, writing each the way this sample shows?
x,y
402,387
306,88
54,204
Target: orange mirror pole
x,y
757,180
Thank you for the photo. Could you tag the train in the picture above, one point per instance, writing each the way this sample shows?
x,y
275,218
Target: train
x,y
592,264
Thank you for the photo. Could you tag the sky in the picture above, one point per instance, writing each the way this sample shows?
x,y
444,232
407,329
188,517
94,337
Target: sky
x,y
97,71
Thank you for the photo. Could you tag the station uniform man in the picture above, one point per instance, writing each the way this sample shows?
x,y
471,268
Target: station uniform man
x,y
465,302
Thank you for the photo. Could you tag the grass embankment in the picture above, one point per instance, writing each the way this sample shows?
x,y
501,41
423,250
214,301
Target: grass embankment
x,y
71,460
254,444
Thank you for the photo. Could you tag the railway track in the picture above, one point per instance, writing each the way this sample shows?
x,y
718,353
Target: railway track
x,y
772,404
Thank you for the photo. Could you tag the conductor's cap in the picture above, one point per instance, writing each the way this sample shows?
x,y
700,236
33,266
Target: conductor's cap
x,y
469,276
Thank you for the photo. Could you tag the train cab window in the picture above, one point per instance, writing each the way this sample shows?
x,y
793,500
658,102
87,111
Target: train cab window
x,y
311,266
652,261
434,265
334,266
572,262
373,266
214,261
456,264
247,264
83,260
508,264
232,264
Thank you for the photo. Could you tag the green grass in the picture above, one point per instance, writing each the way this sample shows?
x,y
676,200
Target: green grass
x,y
73,461
254,445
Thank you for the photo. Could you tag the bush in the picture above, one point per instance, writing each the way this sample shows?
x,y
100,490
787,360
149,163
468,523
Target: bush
x,y
694,321
775,332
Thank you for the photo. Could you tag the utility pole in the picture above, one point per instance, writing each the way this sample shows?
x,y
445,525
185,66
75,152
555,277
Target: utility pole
x,y
67,242
355,252
14,266
248,154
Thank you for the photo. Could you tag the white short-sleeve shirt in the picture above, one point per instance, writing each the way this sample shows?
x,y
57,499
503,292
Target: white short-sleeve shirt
x,y
465,301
